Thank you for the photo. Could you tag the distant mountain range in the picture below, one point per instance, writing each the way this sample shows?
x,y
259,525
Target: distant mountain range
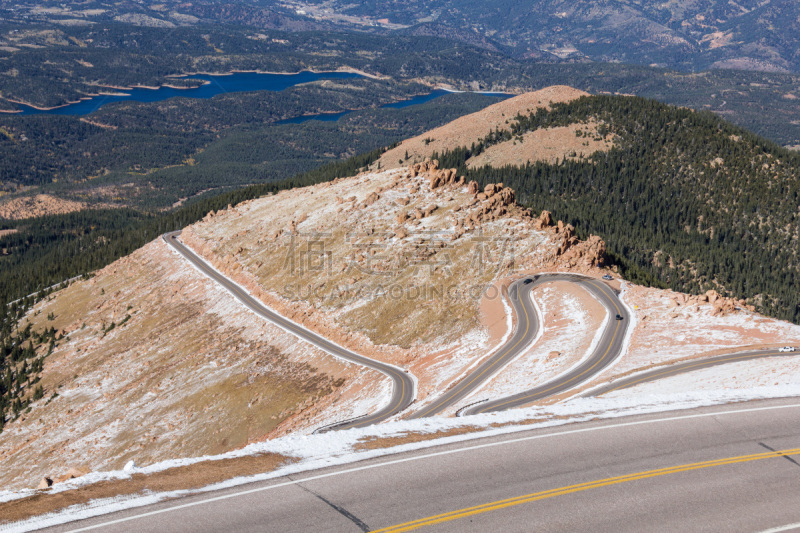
x,y
685,34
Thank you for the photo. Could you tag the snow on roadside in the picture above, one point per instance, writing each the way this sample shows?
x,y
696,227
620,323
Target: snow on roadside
x,y
474,342
753,374
340,447
566,335
665,331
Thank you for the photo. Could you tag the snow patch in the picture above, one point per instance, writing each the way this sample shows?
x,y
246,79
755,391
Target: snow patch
x,y
339,447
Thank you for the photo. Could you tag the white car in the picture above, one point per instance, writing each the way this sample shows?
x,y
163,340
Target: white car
x,y
607,276
787,349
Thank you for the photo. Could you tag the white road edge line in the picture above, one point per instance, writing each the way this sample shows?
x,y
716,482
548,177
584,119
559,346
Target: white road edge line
x,y
787,527
439,454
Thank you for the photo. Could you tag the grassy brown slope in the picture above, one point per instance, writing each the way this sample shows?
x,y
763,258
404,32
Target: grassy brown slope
x,y
469,129
158,363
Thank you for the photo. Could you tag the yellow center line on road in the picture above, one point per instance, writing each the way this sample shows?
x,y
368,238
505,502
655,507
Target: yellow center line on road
x,y
500,358
511,502
557,385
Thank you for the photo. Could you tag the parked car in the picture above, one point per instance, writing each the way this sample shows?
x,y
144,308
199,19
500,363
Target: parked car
x,y
607,277
787,349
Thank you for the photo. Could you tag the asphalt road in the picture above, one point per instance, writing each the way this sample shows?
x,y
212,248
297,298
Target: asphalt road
x,y
402,384
680,368
524,334
724,468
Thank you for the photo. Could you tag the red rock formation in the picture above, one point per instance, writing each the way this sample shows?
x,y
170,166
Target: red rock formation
x,y
545,220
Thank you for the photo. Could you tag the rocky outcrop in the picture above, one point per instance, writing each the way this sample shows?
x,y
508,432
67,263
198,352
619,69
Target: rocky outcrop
x,y
588,253
420,168
720,305
568,238
545,220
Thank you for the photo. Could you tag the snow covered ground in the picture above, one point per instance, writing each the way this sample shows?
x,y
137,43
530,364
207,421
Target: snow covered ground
x,y
338,448
780,373
569,332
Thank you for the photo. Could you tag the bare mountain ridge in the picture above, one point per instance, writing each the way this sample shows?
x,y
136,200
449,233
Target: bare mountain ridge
x,y
545,145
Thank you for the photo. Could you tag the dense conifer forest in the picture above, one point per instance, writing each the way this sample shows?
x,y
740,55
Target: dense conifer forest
x,y
684,200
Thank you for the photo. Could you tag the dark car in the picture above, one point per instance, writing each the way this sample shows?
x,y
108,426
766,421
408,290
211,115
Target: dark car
x,y
528,280
619,317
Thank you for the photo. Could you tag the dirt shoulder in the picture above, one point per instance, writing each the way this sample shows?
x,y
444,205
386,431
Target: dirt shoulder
x,y
188,477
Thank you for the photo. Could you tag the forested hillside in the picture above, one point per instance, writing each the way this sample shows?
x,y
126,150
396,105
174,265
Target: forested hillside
x,y
684,200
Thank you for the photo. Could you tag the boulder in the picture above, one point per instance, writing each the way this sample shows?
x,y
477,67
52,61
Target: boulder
x,y
591,252
543,221
473,188
45,483
507,196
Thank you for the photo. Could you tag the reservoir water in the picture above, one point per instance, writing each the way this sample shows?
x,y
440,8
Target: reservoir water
x,y
217,84
229,83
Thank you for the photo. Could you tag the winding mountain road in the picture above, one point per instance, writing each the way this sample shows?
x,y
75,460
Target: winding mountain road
x,y
402,383
524,334
681,368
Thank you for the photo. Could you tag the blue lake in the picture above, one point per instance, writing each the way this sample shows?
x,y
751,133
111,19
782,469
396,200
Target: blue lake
x,y
237,82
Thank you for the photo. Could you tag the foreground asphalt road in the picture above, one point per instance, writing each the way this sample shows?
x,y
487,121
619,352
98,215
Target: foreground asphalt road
x,y
524,334
726,468
402,384
688,366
